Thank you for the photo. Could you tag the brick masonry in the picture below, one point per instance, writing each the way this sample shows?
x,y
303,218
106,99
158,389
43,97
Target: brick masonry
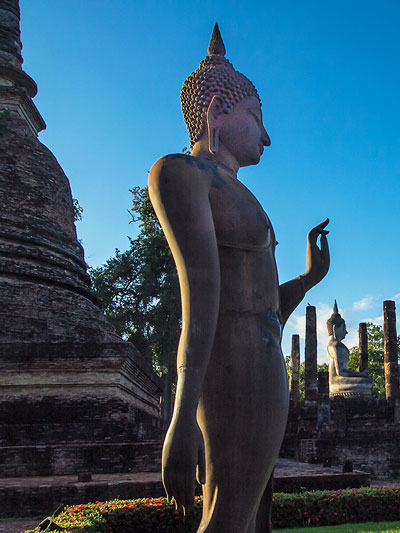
x,y
73,395
364,431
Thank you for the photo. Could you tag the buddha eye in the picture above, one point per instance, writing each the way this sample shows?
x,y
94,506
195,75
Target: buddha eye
x,y
255,115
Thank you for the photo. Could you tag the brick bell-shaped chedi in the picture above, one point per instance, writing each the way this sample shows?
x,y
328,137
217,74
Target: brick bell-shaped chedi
x,y
73,395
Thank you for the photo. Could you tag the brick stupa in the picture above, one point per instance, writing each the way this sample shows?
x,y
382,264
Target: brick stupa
x,y
73,395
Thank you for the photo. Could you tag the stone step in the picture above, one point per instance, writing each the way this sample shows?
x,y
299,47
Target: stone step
x,y
43,495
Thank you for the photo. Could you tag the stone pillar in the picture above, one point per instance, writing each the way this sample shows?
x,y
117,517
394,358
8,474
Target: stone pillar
x,y
323,385
311,387
390,349
294,379
362,347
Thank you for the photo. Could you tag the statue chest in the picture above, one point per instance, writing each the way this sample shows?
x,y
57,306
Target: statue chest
x,y
239,219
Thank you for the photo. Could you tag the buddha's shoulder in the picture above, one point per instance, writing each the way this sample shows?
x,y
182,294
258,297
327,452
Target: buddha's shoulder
x,y
180,168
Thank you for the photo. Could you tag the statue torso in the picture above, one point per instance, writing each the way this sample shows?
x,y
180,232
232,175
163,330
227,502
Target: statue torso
x,y
336,349
244,235
246,245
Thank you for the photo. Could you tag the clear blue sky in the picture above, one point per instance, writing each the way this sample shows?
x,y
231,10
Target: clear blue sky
x,y
109,74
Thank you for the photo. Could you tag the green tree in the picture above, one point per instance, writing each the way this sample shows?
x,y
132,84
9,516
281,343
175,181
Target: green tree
x,y
78,210
139,293
375,358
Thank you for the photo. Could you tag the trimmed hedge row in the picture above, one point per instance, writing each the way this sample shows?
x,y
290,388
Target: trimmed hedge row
x,y
322,508
317,508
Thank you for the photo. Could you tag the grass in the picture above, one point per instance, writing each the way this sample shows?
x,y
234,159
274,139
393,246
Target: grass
x,y
367,527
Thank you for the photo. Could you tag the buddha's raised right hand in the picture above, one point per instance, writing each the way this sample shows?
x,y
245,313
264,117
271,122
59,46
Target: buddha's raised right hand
x,y
183,455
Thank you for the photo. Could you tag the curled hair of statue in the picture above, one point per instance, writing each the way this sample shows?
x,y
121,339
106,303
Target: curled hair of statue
x,y
334,320
214,76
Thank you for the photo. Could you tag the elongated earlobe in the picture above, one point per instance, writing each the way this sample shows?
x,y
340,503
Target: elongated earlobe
x,y
213,139
215,109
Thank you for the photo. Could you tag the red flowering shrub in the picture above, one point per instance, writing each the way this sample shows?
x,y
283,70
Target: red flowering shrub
x,y
317,508
128,516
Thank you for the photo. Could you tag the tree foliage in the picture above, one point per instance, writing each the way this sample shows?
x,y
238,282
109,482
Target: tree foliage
x,y
138,289
78,210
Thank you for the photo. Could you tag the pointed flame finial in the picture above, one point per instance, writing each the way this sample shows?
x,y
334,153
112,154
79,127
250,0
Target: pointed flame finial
x,y
216,46
335,309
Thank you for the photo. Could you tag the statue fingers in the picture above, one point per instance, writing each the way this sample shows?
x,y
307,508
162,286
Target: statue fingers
x,y
323,225
318,230
172,481
324,247
189,493
168,482
180,491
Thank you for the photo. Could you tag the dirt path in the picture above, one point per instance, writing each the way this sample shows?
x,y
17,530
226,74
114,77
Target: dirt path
x,y
17,526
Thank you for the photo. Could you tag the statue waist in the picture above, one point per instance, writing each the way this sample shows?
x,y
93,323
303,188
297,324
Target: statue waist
x,y
244,247
269,319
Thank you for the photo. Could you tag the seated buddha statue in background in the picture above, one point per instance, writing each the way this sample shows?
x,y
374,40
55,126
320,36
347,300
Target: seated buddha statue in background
x,y
342,380
232,392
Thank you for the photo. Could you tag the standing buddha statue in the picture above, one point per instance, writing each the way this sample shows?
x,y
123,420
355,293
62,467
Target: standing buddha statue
x,y
232,391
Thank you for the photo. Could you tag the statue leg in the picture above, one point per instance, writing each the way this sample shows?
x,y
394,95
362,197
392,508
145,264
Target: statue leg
x,y
261,522
232,510
263,519
242,414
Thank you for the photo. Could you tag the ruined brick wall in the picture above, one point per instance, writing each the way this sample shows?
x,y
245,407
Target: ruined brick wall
x,y
364,431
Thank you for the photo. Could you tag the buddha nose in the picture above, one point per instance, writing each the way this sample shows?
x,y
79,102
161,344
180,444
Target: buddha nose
x,y
265,137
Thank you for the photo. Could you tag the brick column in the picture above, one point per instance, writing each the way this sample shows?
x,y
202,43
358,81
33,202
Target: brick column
x,y
362,347
294,379
311,387
390,348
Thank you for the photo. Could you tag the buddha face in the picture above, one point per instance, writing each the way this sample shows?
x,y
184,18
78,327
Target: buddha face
x,y
340,331
242,131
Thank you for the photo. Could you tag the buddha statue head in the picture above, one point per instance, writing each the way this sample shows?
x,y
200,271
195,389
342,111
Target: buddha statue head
x,y
216,96
336,324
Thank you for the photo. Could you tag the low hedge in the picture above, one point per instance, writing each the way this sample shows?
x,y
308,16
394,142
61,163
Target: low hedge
x,y
322,508
316,508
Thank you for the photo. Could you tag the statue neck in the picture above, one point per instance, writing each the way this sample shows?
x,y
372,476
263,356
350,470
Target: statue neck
x,y
222,157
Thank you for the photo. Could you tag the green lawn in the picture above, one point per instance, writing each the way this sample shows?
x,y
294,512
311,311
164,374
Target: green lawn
x,y
367,527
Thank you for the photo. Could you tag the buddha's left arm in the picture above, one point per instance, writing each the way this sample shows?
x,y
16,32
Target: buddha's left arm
x,y
291,293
